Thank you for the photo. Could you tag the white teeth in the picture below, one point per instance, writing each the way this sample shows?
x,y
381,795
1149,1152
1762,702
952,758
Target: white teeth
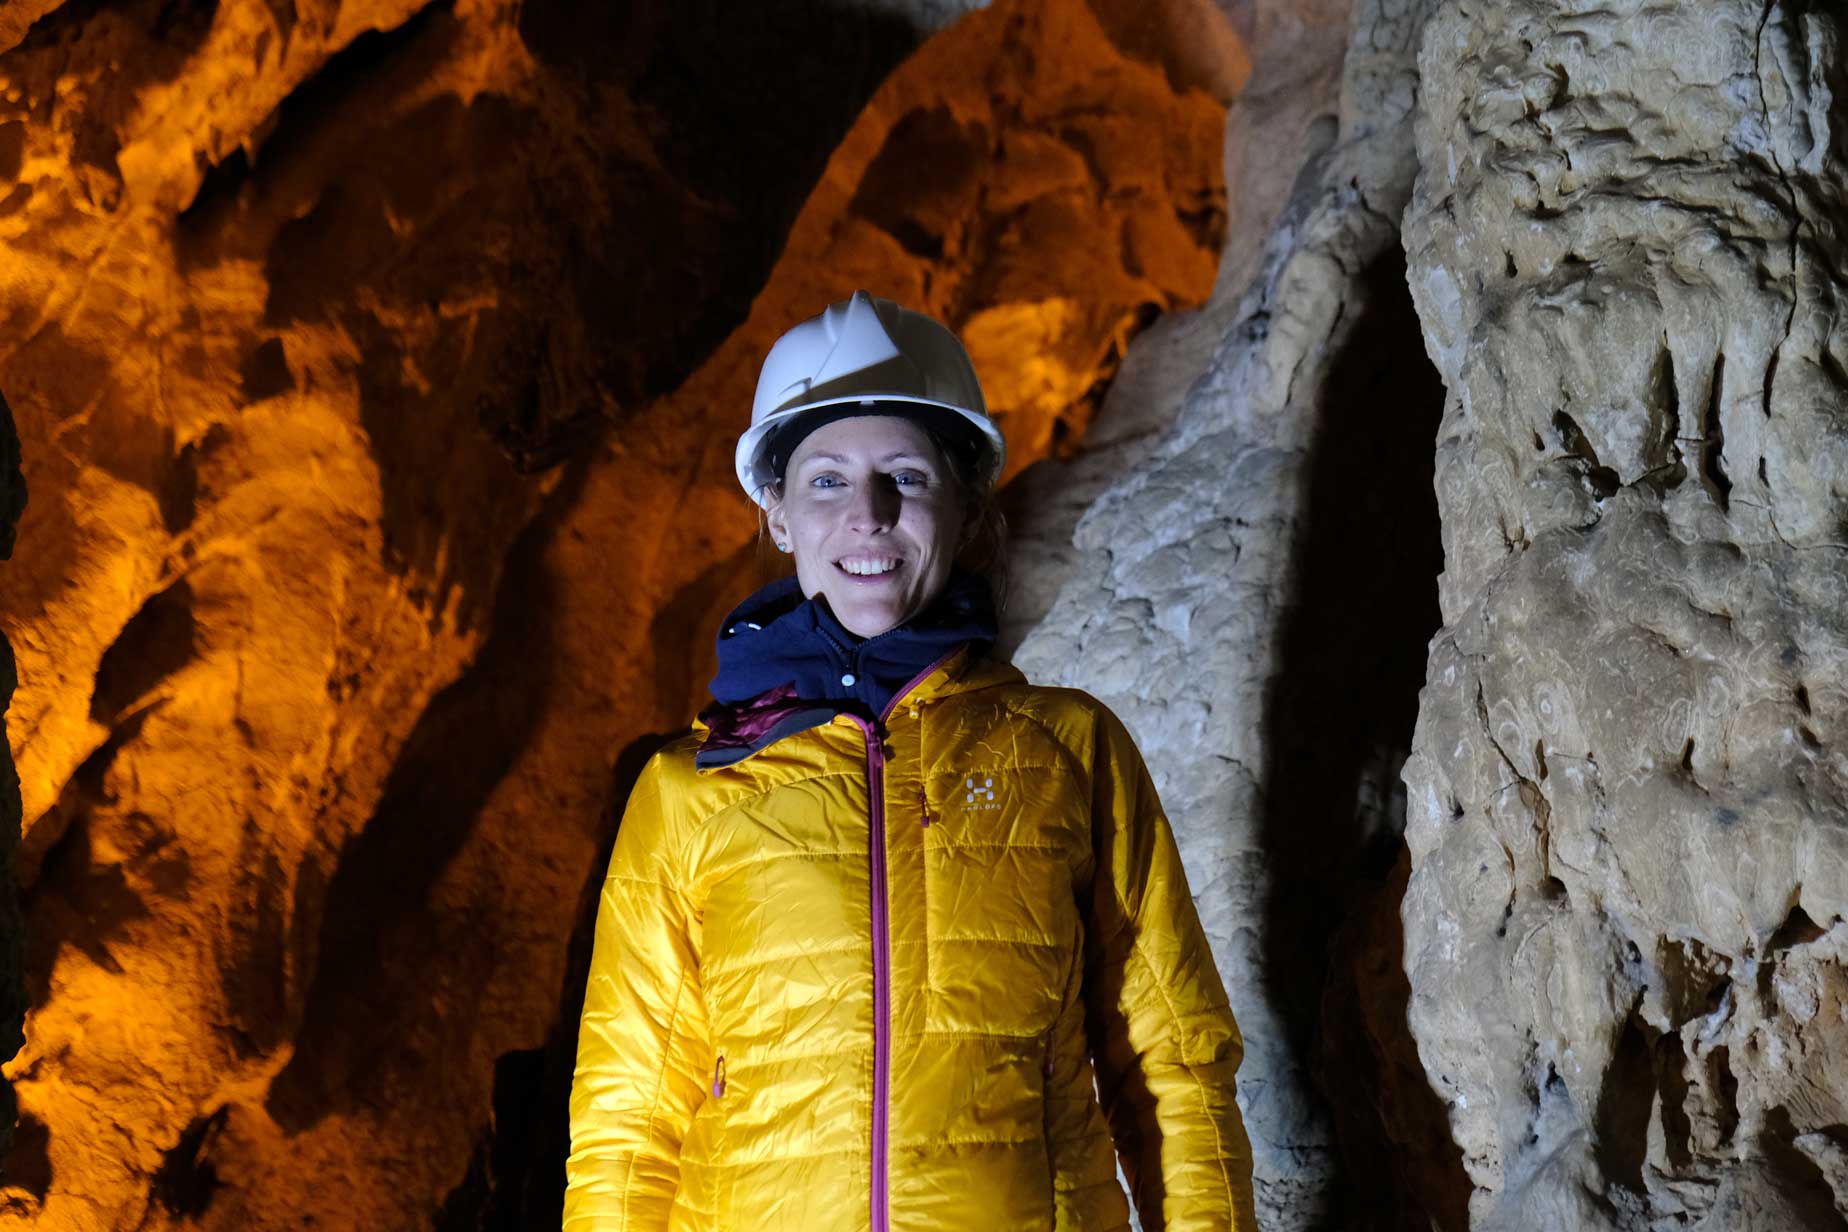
x,y
868,568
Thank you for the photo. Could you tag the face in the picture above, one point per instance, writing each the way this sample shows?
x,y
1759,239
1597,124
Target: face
x,y
872,513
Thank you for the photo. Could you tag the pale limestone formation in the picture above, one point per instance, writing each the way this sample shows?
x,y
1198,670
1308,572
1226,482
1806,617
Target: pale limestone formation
x,y
1245,588
1628,813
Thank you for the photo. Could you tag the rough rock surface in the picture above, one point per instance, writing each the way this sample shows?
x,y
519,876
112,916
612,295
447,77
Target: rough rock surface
x,y
376,369
12,924
1252,592
1625,922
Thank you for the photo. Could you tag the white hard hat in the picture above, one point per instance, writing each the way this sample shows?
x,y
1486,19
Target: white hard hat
x,y
871,352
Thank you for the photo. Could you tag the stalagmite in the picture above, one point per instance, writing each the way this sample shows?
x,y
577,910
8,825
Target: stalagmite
x,y
1625,924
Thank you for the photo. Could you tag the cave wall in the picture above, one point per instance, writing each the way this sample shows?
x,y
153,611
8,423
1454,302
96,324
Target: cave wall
x,y
1624,927
377,368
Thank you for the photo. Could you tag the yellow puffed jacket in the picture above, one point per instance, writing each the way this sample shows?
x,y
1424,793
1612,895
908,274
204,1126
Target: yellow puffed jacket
x,y
847,981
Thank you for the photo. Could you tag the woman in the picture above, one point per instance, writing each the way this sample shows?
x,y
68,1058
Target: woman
x,y
872,927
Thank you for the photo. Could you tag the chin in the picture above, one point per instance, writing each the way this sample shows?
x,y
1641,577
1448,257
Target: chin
x,y
870,622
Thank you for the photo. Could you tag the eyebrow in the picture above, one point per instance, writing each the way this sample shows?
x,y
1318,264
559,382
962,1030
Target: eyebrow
x,y
891,457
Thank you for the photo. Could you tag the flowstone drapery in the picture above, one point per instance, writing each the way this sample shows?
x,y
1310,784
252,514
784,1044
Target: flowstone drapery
x,y
1628,798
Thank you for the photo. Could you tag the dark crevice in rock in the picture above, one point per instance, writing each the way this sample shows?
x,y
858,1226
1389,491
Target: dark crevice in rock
x,y
12,148
179,493
266,371
1797,929
1662,455
156,642
726,175
186,1181
185,21
713,63
32,1162
370,1009
83,792
27,1164
1801,1186
919,211
1339,717
1713,439
516,1177
1725,1091
293,126
1621,1127
497,1188
82,901
1602,480
1672,1081
12,508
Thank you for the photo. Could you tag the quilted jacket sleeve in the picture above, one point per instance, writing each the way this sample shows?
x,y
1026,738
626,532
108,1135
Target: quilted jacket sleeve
x,y
1163,1036
643,1047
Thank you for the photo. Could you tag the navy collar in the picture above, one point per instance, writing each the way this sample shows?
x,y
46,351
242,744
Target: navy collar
x,y
779,638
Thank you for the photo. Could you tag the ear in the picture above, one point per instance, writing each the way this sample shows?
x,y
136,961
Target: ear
x,y
777,520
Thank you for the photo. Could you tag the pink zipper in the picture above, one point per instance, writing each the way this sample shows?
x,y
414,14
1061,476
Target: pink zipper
x,y
882,976
882,948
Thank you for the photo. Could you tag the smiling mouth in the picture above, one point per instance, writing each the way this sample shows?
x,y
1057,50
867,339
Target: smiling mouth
x,y
868,566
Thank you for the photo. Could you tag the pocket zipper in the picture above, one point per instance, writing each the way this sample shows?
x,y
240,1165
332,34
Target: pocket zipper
x,y
718,1076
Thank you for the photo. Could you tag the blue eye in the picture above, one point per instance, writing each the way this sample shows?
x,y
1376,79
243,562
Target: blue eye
x,y
825,481
910,479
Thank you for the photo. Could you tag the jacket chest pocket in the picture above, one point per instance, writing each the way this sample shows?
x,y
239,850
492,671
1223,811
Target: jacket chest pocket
x,y
1002,926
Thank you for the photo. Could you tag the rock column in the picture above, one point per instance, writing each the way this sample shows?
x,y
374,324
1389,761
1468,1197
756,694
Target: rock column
x,y
1241,591
1628,796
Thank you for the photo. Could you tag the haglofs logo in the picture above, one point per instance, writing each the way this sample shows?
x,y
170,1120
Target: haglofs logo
x,y
979,792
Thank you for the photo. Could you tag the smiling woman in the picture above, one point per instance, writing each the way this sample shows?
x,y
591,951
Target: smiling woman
x,y
836,984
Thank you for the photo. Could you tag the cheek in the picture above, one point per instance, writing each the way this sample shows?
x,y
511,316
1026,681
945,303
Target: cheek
x,y
935,528
803,522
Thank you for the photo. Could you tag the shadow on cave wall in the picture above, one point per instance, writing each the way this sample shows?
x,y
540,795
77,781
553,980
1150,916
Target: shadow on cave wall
x,y
370,1004
702,70
516,1177
1340,714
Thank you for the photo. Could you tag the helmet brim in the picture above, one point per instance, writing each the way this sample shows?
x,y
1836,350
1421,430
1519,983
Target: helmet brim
x,y
753,463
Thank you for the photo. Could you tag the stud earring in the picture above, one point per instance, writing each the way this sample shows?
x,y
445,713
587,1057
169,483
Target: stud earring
x,y
782,547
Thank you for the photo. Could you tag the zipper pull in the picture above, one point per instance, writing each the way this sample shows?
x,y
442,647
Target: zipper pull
x,y
924,805
718,1076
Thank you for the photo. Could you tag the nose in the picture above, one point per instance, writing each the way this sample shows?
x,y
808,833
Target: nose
x,y
875,505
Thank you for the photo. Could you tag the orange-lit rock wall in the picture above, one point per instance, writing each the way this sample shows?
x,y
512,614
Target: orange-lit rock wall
x,y
12,927
376,370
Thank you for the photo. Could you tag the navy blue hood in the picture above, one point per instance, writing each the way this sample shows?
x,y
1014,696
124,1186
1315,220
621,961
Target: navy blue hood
x,y
778,637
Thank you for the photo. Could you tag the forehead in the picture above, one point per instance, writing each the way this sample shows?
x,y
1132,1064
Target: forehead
x,y
867,438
